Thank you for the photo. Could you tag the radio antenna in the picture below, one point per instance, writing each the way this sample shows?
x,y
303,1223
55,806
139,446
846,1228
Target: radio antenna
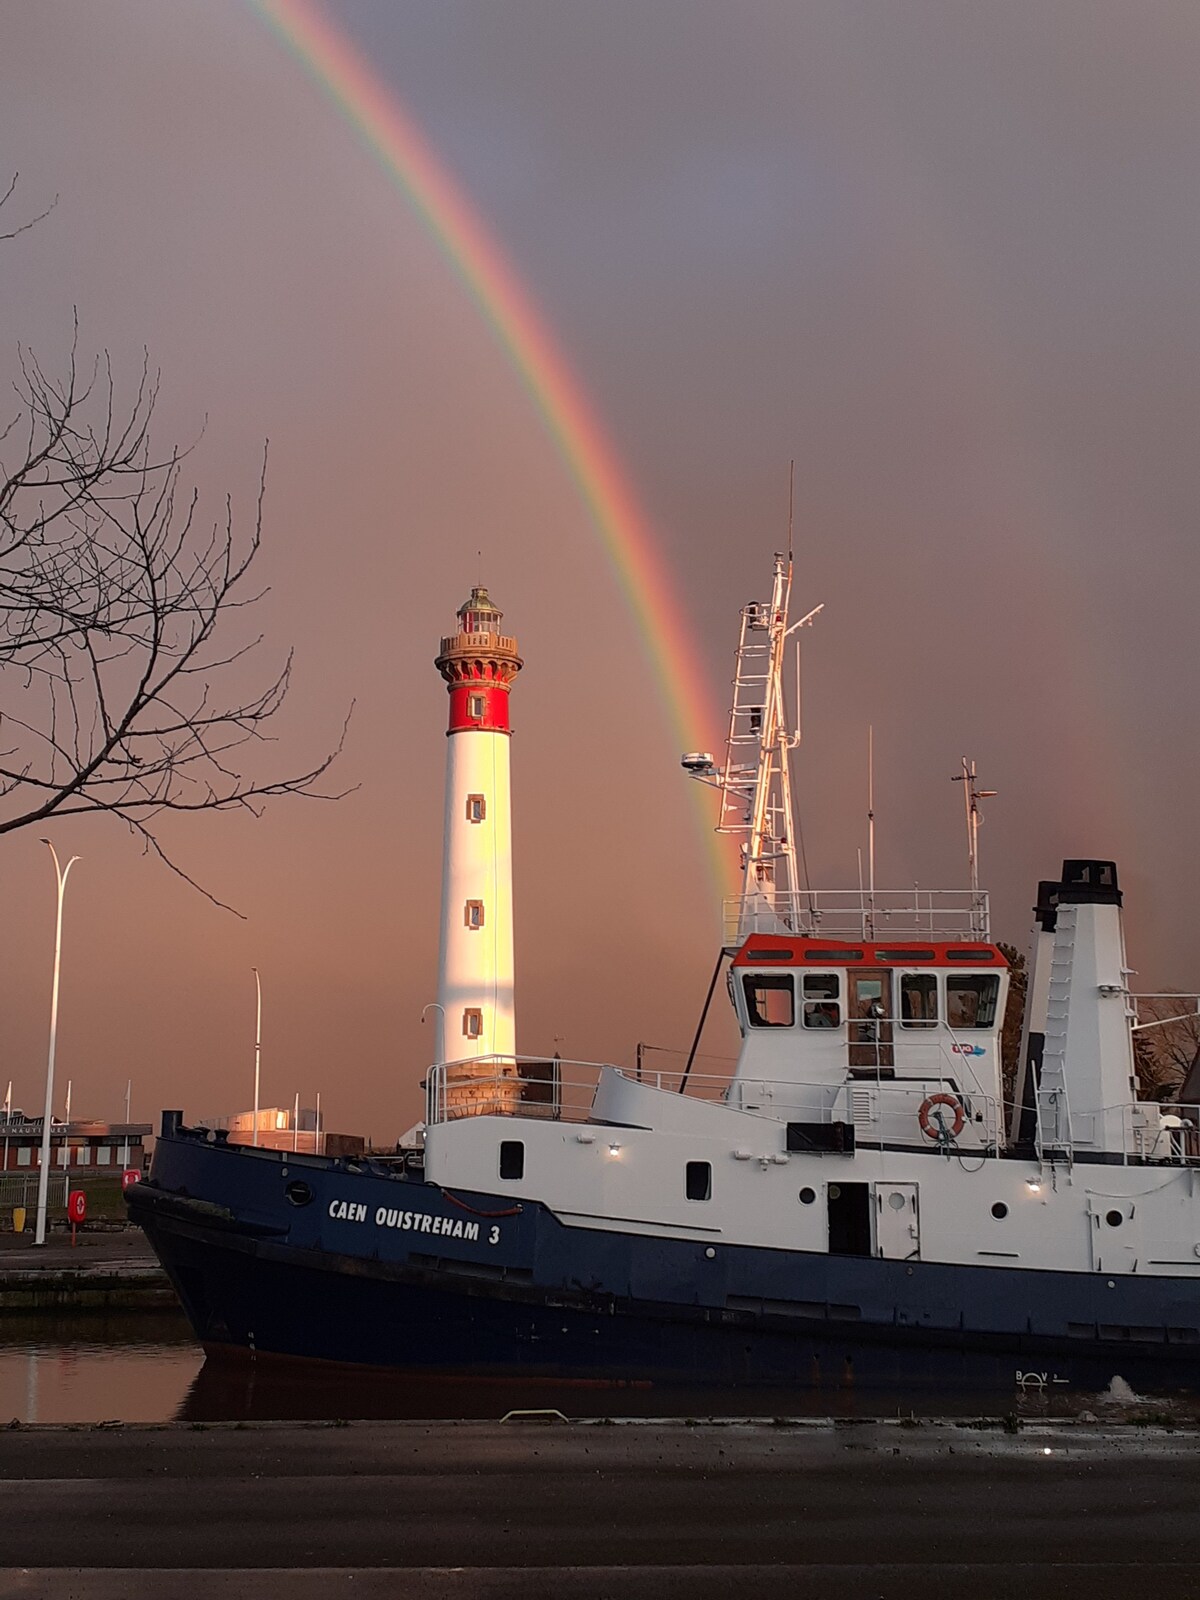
x,y
791,503
971,798
871,829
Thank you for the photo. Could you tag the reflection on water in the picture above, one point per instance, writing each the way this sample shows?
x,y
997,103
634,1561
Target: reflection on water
x,y
130,1368
144,1367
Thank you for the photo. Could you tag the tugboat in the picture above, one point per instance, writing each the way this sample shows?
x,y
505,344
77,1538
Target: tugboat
x,y
854,1198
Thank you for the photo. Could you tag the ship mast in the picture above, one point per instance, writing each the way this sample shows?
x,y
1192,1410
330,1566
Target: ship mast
x,y
755,778
971,798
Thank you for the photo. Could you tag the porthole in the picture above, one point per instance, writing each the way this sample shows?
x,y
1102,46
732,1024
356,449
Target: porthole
x,y
897,1201
298,1193
807,1196
999,1209
1114,1219
835,1192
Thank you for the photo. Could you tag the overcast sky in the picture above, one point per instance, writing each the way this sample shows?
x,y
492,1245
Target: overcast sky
x,y
943,255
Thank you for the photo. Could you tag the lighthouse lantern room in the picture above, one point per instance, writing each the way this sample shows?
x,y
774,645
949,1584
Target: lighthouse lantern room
x,y
475,966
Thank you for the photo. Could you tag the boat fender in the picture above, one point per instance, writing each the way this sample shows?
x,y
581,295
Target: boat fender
x,y
936,1130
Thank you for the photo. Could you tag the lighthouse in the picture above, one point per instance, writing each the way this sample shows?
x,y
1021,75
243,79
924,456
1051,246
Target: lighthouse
x,y
475,963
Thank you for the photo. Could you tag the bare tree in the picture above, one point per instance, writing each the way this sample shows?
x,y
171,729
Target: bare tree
x,y
116,693
1166,1043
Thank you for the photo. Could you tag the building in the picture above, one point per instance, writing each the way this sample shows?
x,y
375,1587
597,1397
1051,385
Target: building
x,y
282,1128
84,1146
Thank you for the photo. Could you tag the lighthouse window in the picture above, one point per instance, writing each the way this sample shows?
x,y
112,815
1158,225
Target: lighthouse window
x,y
476,808
821,994
770,999
472,1023
699,1180
473,914
475,705
971,999
918,1000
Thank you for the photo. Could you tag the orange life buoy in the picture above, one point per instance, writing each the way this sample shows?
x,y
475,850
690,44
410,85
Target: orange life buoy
x,y
928,1127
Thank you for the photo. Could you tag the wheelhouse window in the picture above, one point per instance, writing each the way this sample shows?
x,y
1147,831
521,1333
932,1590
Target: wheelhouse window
x,y
770,999
971,999
698,1180
918,1000
822,1000
512,1158
476,808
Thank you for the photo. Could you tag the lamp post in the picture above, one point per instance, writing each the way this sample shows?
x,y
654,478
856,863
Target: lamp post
x,y
440,1045
257,1045
60,874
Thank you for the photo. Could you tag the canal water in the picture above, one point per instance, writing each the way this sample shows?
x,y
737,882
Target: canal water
x,y
144,1367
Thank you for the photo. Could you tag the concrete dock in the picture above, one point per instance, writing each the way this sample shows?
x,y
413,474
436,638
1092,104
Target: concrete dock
x,y
818,1511
106,1270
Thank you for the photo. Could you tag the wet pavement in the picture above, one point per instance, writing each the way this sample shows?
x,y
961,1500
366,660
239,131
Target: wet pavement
x,y
498,1509
94,1247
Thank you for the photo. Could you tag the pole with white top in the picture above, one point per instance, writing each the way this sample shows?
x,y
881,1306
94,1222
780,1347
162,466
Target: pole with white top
x,y
60,874
257,1045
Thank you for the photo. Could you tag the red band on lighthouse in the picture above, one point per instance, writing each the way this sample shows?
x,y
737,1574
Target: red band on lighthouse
x,y
479,706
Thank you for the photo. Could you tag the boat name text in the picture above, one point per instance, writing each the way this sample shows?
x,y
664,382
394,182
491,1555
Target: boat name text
x,y
410,1221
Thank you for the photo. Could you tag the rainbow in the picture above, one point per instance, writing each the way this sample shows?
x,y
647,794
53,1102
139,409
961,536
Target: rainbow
x,y
479,263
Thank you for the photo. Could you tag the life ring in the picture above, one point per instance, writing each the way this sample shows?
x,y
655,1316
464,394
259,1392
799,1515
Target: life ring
x,y
928,1127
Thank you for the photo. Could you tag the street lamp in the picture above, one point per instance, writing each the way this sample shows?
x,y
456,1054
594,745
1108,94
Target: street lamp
x,y
60,874
257,1045
440,1046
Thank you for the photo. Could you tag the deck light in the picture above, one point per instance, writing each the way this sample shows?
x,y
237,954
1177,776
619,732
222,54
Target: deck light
x,y
614,1149
1033,1185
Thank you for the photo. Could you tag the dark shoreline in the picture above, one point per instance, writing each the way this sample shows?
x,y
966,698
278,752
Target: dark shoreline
x,y
107,1269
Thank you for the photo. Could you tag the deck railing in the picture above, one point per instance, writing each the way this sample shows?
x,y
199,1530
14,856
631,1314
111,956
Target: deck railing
x,y
565,1091
861,914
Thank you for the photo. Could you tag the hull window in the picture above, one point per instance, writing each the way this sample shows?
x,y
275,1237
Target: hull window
x,y
512,1158
699,1180
849,1219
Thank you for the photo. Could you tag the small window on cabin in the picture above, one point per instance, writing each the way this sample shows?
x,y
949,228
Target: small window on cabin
x,y
473,914
918,1000
770,999
472,1023
476,808
512,1158
971,999
698,1180
821,996
475,706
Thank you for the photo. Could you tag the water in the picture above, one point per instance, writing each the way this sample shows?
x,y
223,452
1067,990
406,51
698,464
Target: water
x,y
144,1367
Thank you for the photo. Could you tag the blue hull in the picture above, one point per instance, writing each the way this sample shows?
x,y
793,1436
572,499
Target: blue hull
x,y
347,1261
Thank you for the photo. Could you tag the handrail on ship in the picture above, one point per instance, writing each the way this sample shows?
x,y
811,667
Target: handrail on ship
x,y
948,914
518,1086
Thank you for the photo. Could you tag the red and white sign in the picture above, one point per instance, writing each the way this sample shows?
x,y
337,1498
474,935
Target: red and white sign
x,y
77,1206
129,1177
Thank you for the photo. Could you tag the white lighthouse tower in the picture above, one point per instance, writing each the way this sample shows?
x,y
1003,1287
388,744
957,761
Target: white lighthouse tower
x,y
475,965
